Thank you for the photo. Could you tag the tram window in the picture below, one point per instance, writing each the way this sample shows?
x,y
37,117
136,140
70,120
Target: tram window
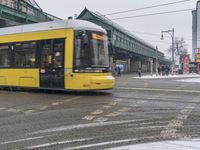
x,y
25,54
5,56
58,53
46,56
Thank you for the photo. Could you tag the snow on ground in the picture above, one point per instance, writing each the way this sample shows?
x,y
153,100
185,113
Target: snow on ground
x,y
190,80
165,145
165,77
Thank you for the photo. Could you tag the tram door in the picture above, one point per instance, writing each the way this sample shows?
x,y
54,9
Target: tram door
x,y
52,63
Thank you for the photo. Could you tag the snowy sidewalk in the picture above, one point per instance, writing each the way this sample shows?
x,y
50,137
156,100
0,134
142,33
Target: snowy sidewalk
x,y
170,76
165,145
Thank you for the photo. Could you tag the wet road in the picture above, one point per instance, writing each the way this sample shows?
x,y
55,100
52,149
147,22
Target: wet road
x,y
136,111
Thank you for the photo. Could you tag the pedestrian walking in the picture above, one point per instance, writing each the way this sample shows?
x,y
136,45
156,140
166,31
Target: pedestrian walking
x,y
167,70
159,70
139,72
119,71
163,70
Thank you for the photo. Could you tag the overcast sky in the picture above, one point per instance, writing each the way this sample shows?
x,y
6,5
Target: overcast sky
x,y
182,22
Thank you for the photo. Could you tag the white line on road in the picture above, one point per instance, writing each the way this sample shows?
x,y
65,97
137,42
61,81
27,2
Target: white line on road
x,y
88,117
80,126
27,112
43,107
22,140
108,143
114,114
101,111
14,110
56,103
101,119
102,144
66,100
56,143
170,131
154,89
73,98
97,112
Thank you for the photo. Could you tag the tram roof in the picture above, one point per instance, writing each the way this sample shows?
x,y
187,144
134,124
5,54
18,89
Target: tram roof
x,y
52,25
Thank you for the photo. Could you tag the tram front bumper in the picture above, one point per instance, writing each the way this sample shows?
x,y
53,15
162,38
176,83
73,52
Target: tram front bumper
x,y
102,82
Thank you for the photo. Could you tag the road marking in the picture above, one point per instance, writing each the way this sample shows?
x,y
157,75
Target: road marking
x,y
57,143
27,112
73,98
89,117
154,89
113,103
22,140
102,144
13,110
125,109
56,103
114,114
170,131
107,106
66,100
100,111
81,126
43,107
97,112
101,119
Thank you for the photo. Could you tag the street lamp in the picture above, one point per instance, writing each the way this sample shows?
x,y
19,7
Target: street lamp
x,y
171,33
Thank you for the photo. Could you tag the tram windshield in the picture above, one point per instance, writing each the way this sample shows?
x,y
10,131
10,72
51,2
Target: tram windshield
x,y
91,52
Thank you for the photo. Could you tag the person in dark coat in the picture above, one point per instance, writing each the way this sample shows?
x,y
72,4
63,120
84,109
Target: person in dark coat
x,y
159,70
167,70
163,70
139,72
119,71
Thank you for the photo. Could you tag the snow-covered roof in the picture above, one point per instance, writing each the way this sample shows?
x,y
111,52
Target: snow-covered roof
x,y
52,25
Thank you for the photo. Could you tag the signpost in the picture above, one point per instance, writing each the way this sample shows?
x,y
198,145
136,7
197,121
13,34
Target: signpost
x,y
186,60
197,60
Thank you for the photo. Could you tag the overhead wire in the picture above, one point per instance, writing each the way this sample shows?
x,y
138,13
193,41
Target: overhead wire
x,y
152,14
154,34
148,7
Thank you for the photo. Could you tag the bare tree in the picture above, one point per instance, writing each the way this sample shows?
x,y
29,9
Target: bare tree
x,y
180,48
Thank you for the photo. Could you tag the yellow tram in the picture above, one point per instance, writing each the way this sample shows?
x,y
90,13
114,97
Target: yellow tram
x,y
65,54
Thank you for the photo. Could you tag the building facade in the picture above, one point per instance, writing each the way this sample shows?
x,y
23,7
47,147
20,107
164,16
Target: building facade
x,y
196,30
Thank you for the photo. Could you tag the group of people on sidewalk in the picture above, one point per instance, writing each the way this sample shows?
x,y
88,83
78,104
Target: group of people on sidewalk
x,y
163,70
